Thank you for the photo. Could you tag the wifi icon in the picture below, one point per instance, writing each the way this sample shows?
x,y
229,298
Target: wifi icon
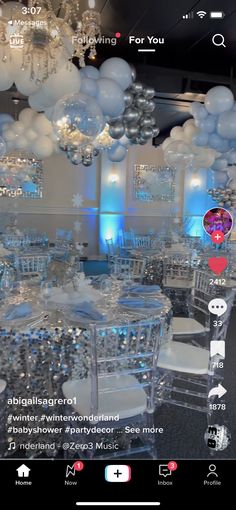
x,y
201,14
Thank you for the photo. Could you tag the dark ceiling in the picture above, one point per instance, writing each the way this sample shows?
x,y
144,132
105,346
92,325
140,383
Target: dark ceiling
x,y
188,43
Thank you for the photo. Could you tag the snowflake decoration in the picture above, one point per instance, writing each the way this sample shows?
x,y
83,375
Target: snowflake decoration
x,y
77,226
77,200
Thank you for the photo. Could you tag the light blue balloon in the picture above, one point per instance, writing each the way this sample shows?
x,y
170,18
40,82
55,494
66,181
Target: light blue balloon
x,y
231,157
232,144
110,97
217,143
219,99
209,124
226,126
198,111
220,164
89,87
117,153
4,118
118,70
201,139
220,178
90,72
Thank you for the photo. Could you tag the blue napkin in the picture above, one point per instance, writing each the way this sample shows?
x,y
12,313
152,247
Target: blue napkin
x,y
143,289
18,311
86,310
140,303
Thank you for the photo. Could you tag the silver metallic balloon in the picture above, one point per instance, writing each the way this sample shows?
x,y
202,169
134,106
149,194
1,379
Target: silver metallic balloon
x,y
133,72
142,141
131,131
117,130
146,133
87,161
140,102
76,158
96,151
131,115
150,107
128,98
114,121
149,92
147,120
137,87
155,131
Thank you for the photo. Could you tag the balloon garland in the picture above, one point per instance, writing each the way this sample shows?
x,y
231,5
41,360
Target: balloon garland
x,y
83,112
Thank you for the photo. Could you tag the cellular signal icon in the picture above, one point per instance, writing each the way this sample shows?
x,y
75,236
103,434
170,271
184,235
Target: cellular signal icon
x,y
189,15
201,14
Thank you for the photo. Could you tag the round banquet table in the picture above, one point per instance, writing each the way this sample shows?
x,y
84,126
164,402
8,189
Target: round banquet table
x,y
37,354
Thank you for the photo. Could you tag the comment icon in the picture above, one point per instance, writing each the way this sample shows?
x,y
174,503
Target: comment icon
x,y
164,470
217,306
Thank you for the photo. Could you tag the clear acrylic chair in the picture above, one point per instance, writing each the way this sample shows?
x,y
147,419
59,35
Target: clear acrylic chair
x,y
113,376
128,269
111,252
31,265
186,373
142,241
196,326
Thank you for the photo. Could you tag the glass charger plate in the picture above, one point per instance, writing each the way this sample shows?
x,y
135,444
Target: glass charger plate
x,y
75,317
36,313
150,292
140,304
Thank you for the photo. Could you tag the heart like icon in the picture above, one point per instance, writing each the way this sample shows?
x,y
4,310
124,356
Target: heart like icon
x,y
217,264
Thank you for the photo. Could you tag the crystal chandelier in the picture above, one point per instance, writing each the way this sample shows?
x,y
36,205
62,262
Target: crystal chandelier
x,y
46,38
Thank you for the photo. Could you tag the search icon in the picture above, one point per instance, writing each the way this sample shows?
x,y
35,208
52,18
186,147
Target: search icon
x,y
218,40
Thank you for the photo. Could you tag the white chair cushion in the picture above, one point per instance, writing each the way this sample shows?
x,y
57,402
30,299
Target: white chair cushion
x,y
2,385
178,283
126,396
185,358
187,326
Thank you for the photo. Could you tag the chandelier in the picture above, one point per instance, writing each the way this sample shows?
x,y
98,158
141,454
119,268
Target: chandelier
x,y
42,39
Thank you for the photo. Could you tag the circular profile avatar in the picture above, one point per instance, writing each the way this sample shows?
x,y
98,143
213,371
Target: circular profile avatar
x,y
217,219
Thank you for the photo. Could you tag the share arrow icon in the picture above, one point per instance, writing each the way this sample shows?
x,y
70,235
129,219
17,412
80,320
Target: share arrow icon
x,y
219,391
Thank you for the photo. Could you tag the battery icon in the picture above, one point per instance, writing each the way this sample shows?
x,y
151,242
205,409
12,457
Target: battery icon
x,y
217,14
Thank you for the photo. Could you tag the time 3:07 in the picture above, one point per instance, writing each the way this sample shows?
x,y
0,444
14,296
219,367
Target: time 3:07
x,y
31,10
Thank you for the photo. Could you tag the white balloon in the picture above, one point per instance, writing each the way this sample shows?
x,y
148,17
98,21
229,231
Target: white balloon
x,y
190,130
30,134
18,127
117,70
42,125
26,116
177,133
9,135
42,147
24,84
166,142
110,97
66,81
21,142
6,80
